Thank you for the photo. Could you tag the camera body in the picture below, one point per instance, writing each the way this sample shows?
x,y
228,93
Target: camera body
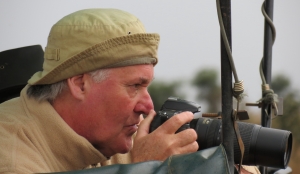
x,y
171,107
263,146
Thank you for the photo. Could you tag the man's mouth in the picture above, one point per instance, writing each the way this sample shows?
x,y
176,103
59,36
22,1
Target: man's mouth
x,y
132,128
133,125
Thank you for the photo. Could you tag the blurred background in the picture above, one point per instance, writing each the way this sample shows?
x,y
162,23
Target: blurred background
x,y
189,52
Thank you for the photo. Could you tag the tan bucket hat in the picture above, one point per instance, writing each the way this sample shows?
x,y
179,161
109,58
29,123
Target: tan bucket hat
x,y
93,39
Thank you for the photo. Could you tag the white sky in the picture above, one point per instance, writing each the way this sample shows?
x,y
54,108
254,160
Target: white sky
x,y
189,31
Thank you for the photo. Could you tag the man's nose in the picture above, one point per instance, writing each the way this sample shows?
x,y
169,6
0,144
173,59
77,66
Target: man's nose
x,y
144,104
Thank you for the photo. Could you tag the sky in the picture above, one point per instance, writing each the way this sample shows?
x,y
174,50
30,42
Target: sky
x,y
189,31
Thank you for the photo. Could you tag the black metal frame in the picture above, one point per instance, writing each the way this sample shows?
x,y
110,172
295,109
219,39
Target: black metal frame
x,y
226,80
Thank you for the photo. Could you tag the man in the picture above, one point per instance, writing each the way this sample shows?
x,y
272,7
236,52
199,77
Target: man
x,y
88,101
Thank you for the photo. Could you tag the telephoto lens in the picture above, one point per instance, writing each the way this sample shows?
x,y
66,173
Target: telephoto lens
x,y
263,146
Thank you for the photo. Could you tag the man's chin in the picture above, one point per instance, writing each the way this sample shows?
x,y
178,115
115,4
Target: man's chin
x,y
122,146
127,146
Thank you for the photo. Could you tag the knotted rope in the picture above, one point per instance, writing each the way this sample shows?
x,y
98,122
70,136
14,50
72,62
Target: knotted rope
x,y
269,97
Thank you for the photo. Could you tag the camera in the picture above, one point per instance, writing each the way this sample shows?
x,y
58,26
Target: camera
x,y
263,146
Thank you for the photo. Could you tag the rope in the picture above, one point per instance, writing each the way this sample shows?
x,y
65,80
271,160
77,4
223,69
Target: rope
x,y
238,85
269,97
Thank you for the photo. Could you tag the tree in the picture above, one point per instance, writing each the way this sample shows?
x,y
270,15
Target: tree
x,y
280,84
160,91
291,106
208,89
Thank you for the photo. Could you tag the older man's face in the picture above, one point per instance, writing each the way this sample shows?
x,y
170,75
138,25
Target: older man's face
x,y
113,108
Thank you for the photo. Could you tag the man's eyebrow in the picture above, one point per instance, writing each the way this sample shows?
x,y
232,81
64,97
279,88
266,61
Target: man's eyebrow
x,y
144,80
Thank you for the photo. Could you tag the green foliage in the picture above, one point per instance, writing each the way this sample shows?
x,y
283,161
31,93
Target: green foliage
x,y
205,78
291,106
160,91
208,89
291,116
280,83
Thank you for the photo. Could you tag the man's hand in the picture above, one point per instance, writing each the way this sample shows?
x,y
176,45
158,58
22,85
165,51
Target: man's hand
x,y
163,142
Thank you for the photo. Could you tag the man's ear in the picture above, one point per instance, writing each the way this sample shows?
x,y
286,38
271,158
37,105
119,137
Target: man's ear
x,y
77,86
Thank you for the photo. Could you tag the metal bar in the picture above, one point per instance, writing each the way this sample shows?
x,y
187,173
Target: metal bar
x,y
267,63
266,111
226,84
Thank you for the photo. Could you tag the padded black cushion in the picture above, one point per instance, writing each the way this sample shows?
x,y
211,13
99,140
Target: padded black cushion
x,y
16,67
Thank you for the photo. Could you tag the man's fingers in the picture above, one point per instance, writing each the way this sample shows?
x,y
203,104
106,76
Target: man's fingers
x,y
192,147
176,121
186,137
145,125
184,142
141,119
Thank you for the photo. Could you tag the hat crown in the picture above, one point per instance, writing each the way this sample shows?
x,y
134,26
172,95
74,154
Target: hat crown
x,y
92,39
99,17
85,28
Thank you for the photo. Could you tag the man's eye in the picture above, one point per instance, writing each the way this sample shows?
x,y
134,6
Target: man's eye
x,y
136,85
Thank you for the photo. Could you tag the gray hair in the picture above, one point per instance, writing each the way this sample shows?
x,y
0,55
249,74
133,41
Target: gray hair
x,y
49,92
